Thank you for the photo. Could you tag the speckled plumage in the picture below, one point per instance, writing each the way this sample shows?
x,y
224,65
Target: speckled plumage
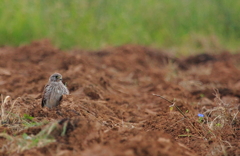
x,y
53,91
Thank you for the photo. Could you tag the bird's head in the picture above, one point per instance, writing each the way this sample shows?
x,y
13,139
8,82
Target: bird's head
x,y
56,77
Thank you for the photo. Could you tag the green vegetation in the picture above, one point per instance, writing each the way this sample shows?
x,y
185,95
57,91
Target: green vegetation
x,y
28,121
11,118
94,24
25,142
202,95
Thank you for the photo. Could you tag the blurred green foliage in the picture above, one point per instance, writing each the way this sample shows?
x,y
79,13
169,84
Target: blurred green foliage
x,y
94,24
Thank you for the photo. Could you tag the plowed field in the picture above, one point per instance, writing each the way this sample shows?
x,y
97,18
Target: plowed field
x,y
111,109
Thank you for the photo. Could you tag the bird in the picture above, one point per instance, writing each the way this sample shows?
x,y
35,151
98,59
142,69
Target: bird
x,y
53,91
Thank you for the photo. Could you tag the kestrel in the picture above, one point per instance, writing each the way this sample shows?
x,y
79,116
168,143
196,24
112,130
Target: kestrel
x,y
53,91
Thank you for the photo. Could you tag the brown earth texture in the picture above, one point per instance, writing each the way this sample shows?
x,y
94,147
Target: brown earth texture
x,y
124,101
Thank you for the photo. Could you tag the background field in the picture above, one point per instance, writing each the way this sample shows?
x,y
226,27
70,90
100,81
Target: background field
x,y
135,100
180,25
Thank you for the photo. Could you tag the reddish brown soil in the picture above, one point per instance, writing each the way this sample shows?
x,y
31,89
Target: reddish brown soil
x,y
111,109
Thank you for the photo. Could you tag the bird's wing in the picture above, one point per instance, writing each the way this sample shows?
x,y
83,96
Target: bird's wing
x,y
45,95
64,89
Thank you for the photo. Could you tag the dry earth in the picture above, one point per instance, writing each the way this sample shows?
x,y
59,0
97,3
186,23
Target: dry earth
x,y
112,110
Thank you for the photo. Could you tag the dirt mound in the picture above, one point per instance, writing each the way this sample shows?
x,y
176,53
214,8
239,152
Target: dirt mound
x,y
111,109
